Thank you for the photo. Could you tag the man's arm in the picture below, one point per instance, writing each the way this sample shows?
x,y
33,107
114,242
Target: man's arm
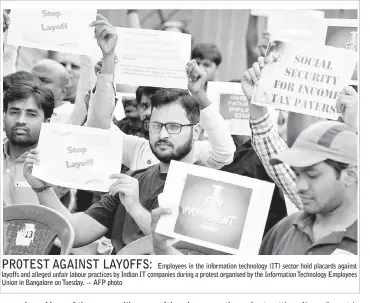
x,y
266,140
86,229
127,189
102,104
87,77
221,150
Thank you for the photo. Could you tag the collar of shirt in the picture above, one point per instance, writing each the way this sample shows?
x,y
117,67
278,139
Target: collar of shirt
x,y
7,157
305,221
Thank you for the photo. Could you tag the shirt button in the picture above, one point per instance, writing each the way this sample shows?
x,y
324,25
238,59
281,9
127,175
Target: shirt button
x,y
8,170
149,162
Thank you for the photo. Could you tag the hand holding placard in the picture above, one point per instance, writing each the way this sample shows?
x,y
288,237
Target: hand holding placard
x,y
347,105
32,159
128,190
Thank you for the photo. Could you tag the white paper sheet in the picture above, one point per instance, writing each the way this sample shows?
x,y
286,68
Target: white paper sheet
x,y
214,209
63,30
304,78
152,58
78,157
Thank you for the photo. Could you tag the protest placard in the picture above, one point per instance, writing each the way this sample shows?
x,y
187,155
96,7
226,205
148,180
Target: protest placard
x,y
297,26
152,58
304,78
228,98
343,33
63,30
78,157
214,209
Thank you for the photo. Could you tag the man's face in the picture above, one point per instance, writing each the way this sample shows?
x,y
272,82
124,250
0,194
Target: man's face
x,y
72,64
319,188
210,67
145,109
23,121
50,80
165,146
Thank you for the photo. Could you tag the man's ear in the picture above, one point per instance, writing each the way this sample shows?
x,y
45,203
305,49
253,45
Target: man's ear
x,y
197,130
350,175
63,93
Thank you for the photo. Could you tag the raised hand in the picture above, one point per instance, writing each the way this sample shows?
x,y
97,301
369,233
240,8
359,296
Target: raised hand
x,y
105,34
347,105
197,77
251,77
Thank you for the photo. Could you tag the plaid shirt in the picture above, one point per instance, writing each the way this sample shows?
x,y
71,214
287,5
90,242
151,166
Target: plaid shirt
x,y
267,143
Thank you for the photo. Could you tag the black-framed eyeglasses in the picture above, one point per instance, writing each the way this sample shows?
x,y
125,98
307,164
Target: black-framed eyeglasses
x,y
172,128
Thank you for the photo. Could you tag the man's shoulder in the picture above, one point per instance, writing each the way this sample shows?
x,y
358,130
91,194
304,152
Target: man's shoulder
x,y
285,224
148,171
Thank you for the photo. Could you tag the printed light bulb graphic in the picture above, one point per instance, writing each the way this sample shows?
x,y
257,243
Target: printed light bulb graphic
x,y
215,198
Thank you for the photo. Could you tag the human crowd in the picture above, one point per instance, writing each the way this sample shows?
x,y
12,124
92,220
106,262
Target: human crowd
x,y
312,161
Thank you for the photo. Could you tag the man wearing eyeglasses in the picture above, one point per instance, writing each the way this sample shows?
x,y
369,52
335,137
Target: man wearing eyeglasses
x,y
136,153
124,212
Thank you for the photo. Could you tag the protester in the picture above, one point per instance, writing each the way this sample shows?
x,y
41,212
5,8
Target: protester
x,y
174,126
137,153
323,180
72,65
208,56
26,106
131,123
17,77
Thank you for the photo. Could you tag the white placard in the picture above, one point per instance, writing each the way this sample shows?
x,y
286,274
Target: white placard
x,y
214,209
152,58
304,78
78,157
339,34
63,30
229,100
295,26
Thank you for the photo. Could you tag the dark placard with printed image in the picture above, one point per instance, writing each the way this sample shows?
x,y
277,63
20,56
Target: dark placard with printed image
x,y
213,211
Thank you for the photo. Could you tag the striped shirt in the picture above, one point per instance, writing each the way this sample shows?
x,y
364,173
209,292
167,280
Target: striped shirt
x,y
267,143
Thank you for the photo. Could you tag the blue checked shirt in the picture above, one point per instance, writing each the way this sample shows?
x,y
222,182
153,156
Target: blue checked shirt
x,y
267,143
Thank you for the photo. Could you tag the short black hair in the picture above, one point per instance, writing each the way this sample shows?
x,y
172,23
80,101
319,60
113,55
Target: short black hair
x,y
187,102
207,51
16,77
24,89
146,90
337,166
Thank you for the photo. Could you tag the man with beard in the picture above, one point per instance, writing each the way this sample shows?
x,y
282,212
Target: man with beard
x,y
136,152
26,106
174,127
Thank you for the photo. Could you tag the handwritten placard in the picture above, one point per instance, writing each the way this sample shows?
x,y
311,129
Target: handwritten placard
x,y
53,29
214,209
78,157
152,58
304,78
